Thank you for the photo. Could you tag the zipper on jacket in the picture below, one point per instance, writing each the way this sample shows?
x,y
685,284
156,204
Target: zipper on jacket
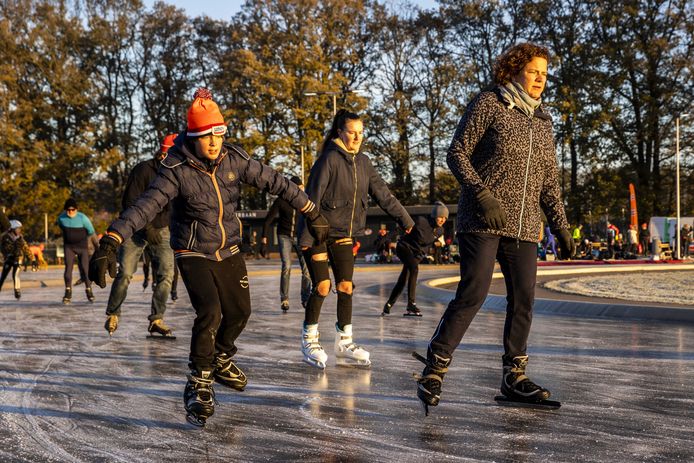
x,y
354,201
525,184
220,218
291,230
193,232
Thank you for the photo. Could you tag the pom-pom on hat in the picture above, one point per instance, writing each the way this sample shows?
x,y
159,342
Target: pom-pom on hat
x,y
204,116
439,210
168,142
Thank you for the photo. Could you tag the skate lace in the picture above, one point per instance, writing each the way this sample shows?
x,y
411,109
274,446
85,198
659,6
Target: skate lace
x,y
203,389
350,346
312,344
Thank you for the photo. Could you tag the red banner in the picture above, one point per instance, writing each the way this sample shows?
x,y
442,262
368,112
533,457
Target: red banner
x,y
632,206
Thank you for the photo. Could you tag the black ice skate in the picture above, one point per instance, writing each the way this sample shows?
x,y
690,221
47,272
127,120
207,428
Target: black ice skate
x,y
67,298
518,390
412,310
111,324
198,397
174,296
228,374
386,309
17,294
90,294
158,330
429,383
285,306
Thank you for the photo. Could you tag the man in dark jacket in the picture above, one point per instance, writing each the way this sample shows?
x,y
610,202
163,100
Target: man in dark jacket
x,y
155,236
286,236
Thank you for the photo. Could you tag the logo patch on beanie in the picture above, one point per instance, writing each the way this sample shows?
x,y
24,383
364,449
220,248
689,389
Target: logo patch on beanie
x,y
219,130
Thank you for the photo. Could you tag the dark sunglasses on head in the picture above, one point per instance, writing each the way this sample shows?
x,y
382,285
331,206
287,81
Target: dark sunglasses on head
x,y
71,209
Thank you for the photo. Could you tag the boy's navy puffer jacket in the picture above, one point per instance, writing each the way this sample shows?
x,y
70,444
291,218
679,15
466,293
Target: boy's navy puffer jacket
x,y
203,196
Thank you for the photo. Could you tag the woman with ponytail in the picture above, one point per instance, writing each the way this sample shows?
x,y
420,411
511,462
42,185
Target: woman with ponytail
x,y
340,183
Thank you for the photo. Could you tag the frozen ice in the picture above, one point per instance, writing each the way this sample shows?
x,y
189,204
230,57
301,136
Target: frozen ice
x,y
72,394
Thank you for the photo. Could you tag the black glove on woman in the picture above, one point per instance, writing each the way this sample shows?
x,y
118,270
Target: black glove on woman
x,y
493,213
567,247
318,226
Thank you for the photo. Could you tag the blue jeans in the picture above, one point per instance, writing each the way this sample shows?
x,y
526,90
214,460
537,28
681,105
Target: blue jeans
x,y
162,273
287,244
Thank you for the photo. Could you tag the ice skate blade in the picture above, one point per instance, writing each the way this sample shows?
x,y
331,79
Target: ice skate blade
x,y
169,337
541,404
350,363
197,422
410,314
315,364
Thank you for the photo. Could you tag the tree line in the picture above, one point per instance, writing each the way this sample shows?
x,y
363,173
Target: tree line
x,y
89,88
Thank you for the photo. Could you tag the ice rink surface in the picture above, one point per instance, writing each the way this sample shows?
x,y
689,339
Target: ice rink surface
x,y
71,394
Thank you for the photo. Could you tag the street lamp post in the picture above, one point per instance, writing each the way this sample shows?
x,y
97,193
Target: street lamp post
x,y
677,183
334,95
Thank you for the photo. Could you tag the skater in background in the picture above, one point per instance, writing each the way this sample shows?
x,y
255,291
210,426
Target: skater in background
x,y
340,183
411,249
202,177
550,243
288,243
645,239
14,250
77,231
503,156
382,245
152,240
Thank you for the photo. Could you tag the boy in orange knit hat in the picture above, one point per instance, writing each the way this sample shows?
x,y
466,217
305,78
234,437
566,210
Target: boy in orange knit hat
x,y
201,176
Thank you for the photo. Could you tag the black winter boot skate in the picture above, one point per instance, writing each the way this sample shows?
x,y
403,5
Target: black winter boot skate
x,y
17,294
198,397
429,383
515,385
67,298
228,374
386,309
412,310
90,294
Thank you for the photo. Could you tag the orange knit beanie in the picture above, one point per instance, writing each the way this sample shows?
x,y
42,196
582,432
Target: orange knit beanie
x,y
204,116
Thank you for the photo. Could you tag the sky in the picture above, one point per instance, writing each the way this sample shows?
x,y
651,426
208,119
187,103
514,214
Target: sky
x,y
225,9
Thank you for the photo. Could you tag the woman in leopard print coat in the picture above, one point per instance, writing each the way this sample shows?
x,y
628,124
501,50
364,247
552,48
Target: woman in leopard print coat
x,y
503,156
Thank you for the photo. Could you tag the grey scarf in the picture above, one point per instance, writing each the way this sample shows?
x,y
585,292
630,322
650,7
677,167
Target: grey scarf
x,y
515,96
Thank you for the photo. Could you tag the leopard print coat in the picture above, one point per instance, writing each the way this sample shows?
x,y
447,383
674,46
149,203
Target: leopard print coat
x,y
512,155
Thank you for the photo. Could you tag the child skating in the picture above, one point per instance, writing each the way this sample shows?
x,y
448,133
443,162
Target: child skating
x,y
201,177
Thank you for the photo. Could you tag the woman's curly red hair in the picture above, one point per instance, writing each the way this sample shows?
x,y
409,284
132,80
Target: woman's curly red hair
x,y
513,60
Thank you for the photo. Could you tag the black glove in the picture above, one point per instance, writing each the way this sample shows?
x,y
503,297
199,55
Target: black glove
x,y
152,236
567,247
493,213
318,226
103,259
